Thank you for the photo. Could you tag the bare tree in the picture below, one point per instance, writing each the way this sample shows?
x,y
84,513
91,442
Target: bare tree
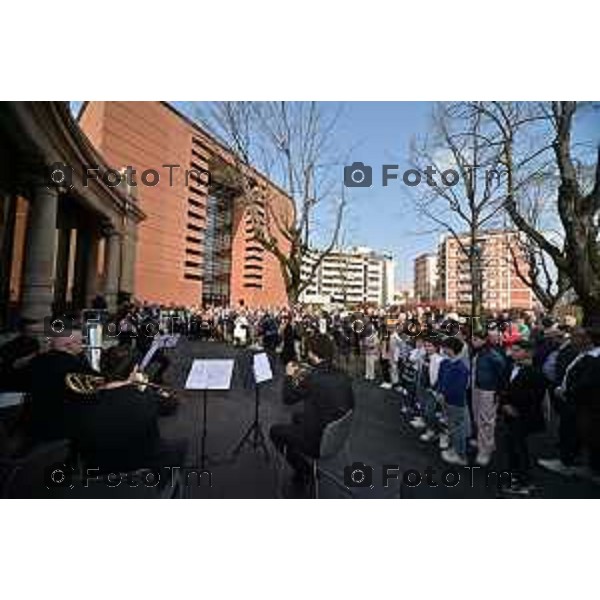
x,y
532,265
291,143
465,196
576,195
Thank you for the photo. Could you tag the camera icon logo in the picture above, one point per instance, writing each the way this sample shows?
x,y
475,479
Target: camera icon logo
x,y
60,175
58,327
358,325
58,475
358,175
358,475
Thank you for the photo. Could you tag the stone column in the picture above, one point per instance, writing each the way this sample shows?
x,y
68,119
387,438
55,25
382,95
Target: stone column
x,y
128,249
82,252
8,206
62,268
91,285
40,260
113,267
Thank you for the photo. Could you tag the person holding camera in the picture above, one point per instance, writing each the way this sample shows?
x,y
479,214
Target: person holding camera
x,y
325,394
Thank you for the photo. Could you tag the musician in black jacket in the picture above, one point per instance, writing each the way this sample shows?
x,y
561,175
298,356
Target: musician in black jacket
x,y
48,414
326,395
522,410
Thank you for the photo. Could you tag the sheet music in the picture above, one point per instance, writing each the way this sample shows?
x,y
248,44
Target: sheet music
x,y
11,399
262,368
210,374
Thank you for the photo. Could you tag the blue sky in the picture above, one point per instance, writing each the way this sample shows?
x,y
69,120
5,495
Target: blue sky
x,y
383,218
378,133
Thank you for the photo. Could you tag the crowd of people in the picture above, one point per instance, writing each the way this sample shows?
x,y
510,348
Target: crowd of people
x,y
467,386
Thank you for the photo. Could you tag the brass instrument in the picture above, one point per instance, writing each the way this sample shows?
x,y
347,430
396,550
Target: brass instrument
x,y
88,384
84,383
302,370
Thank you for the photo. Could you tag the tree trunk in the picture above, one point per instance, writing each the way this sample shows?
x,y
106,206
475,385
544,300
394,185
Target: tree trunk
x,y
591,312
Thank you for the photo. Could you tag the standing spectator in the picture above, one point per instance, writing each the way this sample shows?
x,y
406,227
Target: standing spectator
x,y
240,330
522,413
578,406
584,387
288,337
557,367
395,354
371,347
489,372
427,385
453,382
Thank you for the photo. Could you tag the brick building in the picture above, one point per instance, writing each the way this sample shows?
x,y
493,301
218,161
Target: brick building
x,y
501,286
197,242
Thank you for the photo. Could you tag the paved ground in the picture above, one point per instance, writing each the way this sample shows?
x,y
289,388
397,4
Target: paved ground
x,y
380,436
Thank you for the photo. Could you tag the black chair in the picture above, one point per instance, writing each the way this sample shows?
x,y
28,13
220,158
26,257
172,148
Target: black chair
x,y
333,441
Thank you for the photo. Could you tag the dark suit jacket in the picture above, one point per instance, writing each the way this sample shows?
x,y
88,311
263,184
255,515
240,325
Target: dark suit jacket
x,y
526,393
44,379
583,382
118,429
326,395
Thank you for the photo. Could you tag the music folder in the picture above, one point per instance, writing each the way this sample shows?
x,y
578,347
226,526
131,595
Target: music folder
x,y
262,368
210,374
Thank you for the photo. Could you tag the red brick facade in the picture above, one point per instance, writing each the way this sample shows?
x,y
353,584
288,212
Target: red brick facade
x,y
170,261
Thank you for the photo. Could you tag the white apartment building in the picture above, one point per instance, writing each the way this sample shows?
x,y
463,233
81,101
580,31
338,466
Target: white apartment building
x,y
353,276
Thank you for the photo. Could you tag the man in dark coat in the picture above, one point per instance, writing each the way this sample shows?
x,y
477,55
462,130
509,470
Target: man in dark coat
x,y
326,395
48,412
582,389
522,410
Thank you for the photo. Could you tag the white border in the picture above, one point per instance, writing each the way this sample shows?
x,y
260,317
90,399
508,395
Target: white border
x,y
268,49
322,50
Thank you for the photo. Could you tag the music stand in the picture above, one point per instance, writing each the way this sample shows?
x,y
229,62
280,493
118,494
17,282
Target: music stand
x,y
207,374
261,372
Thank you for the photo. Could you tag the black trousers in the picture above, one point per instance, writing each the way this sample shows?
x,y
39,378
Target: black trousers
x,y
515,437
568,436
385,370
289,440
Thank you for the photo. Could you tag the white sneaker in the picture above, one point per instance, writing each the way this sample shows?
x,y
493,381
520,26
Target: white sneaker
x,y
428,436
418,423
386,386
483,459
556,466
444,441
452,457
